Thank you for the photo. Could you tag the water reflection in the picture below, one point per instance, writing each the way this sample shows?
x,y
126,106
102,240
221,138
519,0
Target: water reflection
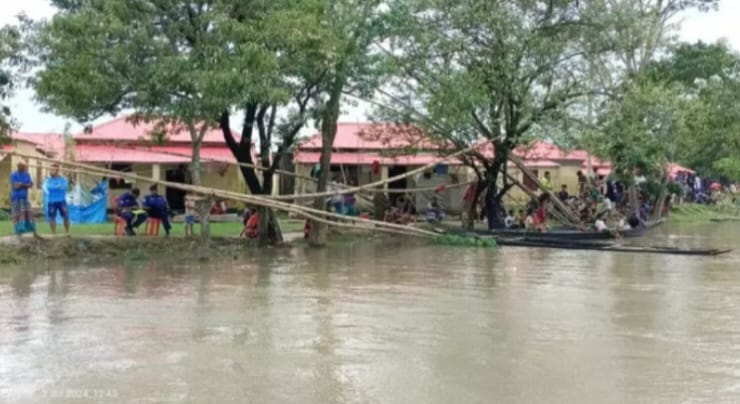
x,y
369,322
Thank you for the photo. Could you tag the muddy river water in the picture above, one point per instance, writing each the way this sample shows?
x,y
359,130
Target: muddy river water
x,y
381,323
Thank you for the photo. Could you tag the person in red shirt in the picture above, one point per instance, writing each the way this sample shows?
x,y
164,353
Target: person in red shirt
x,y
540,216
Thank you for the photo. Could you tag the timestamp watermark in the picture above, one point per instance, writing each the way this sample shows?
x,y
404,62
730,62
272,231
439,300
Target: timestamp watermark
x,y
68,394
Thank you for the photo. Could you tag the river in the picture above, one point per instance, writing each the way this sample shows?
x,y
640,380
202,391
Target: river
x,y
380,323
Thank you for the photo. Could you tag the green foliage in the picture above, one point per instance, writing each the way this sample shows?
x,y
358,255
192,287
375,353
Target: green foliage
x,y
167,58
710,73
9,49
464,241
638,131
728,166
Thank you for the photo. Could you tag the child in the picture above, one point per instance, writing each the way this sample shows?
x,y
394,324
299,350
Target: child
x,y
191,207
435,214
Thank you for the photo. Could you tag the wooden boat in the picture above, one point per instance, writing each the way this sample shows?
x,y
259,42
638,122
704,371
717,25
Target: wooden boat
x,y
572,234
607,246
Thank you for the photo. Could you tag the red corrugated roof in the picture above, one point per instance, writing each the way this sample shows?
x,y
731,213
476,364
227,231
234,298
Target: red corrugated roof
x,y
540,150
112,154
374,136
368,159
50,143
122,129
674,169
221,154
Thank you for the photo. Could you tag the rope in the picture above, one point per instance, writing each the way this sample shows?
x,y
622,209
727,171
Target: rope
x,y
252,199
352,190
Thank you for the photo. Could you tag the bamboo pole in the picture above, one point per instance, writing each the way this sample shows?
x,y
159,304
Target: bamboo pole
x,y
381,182
252,199
572,219
299,176
531,194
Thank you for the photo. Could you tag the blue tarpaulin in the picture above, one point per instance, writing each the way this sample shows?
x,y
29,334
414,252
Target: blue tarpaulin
x,y
85,206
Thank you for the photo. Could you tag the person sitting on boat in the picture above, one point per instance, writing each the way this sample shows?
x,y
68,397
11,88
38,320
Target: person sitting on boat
x,y
157,208
509,220
435,214
563,194
600,222
521,220
540,216
529,220
128,210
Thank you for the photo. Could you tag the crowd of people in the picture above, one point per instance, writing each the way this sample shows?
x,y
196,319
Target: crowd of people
x,y
56,187
695,189
600,201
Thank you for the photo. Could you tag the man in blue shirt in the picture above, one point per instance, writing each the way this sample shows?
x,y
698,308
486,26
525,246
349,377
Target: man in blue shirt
x,y
21,182
128,209
55,192
157,207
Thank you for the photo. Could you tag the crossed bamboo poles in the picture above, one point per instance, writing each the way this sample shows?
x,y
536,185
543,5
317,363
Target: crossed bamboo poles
x,y
276,202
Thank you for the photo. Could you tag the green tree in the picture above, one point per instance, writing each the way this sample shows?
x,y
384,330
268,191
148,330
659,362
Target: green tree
x,y
9,53
348,65
489,72
711,73
190,63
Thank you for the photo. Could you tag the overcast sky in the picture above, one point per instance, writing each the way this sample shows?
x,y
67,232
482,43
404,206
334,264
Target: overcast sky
x,y
695,26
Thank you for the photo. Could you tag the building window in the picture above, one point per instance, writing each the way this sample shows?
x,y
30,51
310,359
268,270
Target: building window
x,y
442,169
120,183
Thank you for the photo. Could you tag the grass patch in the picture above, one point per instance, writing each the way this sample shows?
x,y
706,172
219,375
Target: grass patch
x,y
178,229
704,213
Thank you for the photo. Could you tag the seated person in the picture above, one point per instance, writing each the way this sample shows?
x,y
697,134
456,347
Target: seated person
x,y
540,216
157,208
529,221
248,212
435,214
509,220
563,194
252,229
521,220
128,210
219,208
405,210
600,223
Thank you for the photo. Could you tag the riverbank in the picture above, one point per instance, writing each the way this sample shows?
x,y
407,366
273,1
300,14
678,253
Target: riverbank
x,y
94,248
107,248
691,213
218,229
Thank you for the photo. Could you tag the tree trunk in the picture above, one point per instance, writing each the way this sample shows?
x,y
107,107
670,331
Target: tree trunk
x,y
660,201
270,232
318,234
204,207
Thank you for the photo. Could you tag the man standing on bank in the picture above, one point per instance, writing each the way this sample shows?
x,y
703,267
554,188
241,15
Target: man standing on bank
x,y
20,208
55,192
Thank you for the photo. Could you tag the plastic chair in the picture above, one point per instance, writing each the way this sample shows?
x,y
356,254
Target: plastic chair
x,y
152,227
120,226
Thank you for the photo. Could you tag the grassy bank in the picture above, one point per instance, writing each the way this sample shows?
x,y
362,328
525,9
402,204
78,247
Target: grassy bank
x,y
178,229
705,213
124,249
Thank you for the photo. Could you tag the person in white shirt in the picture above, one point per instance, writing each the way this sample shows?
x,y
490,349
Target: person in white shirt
x,y
509,219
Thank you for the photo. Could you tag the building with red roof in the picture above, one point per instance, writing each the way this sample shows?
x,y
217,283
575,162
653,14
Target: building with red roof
x,y
157,151
35,145
160,152
393,149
